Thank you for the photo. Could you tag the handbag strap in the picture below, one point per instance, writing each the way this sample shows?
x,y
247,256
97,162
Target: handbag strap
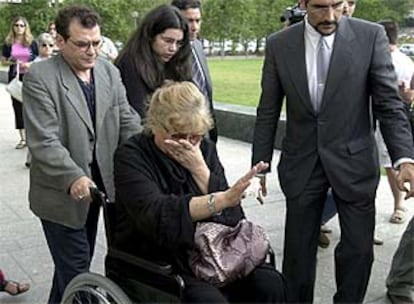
x,y
17,69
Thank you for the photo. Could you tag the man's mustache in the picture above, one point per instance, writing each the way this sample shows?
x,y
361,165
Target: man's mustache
x,y
328,23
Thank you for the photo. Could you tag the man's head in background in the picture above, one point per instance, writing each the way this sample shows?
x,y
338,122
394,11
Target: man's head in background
x,y
191,10
391,28
349,7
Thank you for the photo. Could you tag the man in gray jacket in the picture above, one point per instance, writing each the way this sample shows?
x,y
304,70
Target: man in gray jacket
x,y
77,114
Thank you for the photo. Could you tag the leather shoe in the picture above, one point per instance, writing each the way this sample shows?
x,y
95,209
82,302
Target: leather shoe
x,y
323,240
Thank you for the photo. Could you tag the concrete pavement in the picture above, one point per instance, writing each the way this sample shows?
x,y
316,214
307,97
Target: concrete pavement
x,y
24,255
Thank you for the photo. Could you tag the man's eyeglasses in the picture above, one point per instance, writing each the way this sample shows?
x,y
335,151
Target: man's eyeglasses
x,y
171,41
86,45
47,45
20,25
319,8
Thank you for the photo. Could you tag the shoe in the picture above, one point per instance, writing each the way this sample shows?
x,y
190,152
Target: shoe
x,y
398,216
14,288
323,240
378,241
21,144
399,299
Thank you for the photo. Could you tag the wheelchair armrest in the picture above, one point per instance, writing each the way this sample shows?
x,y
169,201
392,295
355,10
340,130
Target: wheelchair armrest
x,y
162,268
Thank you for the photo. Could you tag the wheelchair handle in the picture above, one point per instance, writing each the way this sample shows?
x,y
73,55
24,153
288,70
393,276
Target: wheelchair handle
x,y
97,195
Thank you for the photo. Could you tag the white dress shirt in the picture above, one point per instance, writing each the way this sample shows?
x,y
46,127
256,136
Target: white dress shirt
x,y
312,38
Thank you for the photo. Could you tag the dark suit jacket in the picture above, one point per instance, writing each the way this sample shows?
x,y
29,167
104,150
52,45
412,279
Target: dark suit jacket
x,y
198,49
62,138
341,135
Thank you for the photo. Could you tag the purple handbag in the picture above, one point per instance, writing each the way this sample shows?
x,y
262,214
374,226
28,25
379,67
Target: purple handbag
x,y
224,254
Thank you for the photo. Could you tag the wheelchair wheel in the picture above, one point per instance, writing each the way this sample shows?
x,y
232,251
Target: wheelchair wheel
x,y
94,288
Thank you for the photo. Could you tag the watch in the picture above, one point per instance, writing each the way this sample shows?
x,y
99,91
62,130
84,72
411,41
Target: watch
x,y
211,203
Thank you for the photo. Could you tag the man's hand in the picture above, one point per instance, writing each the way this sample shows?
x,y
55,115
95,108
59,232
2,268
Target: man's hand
x,y
406,175
407,94
236,192
80,189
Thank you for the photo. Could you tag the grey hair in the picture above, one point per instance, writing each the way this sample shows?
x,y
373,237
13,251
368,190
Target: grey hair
x,y
45,38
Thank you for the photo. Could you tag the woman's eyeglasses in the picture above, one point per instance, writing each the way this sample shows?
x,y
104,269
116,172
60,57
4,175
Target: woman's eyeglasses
x,y
172,42
20,25
188,137
47,45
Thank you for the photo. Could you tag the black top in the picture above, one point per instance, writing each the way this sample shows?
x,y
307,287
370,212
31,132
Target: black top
x,y
152,201
138,93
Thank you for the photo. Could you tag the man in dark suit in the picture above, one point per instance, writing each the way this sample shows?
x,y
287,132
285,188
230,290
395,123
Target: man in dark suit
x,y
191,10
77,114
329,142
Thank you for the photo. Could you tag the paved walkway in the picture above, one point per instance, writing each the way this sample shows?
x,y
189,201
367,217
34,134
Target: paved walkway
x,y
24,255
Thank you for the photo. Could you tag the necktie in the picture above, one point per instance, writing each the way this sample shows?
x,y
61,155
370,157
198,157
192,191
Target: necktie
x,y
322,65
198,76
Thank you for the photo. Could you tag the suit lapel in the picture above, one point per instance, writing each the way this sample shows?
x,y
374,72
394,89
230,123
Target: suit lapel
x,y
74,94
296,63
341,60
198,49
102,92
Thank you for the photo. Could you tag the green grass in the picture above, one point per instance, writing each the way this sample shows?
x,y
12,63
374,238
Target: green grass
x,y
236,81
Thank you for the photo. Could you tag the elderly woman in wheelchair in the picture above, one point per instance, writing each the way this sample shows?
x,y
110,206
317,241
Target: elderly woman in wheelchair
x,y
168,179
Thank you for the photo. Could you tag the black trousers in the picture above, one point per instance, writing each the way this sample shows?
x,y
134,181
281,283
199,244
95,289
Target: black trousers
x,y
18,110
263,285
353,254
71,250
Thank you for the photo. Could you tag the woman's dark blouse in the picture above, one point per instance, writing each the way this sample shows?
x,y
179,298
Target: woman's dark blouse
x,y
152,201
138,93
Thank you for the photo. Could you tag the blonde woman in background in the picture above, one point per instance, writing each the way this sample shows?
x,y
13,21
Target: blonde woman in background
x,y
19,49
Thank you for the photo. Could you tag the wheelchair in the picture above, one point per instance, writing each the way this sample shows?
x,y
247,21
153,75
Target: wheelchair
x,y
155,282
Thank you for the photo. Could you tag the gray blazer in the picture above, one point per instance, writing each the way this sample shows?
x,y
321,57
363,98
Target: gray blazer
x,y
341,135
61,137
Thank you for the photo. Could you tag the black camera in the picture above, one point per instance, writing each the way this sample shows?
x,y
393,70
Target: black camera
x,y
293,14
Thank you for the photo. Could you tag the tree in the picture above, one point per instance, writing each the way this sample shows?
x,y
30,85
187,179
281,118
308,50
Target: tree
x,y
37,12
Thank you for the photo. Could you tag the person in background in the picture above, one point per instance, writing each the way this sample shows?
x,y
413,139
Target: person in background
x,y
158,50
191,10
77,114
13,288
400,280
329,141
169,178
108,49
349,7
18,51
51,29
46,44
404,67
